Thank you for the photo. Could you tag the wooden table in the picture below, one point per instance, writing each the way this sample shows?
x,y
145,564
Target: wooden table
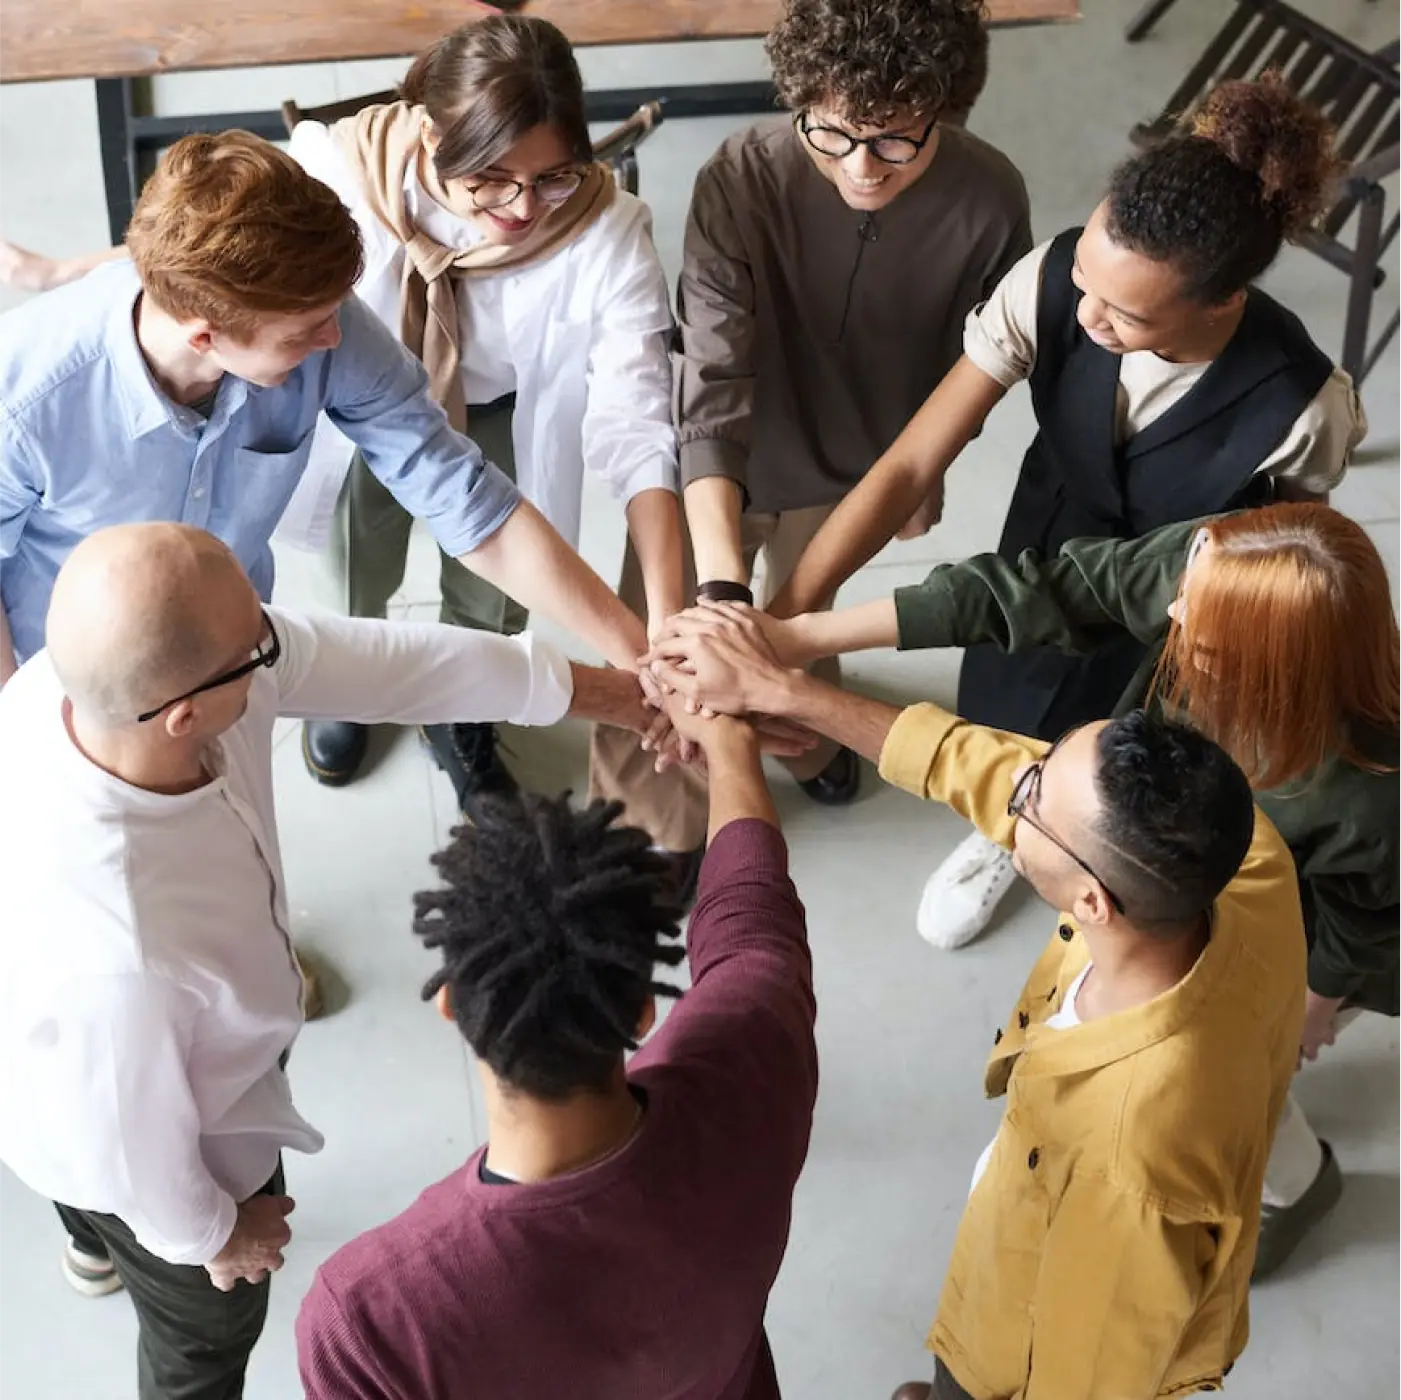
x,y
116,41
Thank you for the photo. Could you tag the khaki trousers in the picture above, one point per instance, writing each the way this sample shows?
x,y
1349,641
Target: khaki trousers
x,y
672,806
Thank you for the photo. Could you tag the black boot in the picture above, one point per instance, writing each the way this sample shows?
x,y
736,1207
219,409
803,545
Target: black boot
x,y
838,783
334,749
467,754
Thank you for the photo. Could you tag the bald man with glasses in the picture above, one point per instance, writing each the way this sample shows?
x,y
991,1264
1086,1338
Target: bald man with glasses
x,y
1106,1247
149,996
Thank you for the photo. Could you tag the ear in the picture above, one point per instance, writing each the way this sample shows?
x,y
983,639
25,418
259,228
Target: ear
x,y
1230,307
443,1001
428,135
199,336
1091,906
181,719
647,1020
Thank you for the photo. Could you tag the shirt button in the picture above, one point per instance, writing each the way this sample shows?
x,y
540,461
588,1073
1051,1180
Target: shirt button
x,y
1023,1020
997,1039
1066,933
198,492
1033,1157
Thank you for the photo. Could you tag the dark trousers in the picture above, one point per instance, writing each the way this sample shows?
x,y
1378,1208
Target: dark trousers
x,y
193,1342
945,1387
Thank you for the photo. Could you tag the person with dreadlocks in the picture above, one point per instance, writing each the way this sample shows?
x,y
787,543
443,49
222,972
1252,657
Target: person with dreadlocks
x,y
619,1231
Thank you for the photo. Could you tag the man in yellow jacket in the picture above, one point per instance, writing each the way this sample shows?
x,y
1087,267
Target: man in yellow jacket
x,y
1106,1248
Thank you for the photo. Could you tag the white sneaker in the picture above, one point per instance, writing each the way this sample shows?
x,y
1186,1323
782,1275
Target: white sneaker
x,y
961,894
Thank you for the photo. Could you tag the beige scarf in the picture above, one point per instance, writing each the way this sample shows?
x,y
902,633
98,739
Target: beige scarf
x,y
380,143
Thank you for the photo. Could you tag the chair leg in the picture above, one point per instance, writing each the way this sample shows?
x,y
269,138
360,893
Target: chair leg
x,y
1146,18
1364,266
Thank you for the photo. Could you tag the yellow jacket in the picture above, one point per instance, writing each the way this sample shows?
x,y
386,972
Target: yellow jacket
x,y
1106,1252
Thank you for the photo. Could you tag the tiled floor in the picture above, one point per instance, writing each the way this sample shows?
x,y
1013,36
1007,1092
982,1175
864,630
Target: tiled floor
x,y
902,1030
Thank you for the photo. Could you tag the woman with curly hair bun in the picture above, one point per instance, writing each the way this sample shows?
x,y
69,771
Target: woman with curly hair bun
x,y
830,259
1166,386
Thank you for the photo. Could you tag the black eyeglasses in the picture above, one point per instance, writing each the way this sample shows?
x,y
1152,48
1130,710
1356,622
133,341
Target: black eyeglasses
x,y
832,141
551,189
1027,793
264,654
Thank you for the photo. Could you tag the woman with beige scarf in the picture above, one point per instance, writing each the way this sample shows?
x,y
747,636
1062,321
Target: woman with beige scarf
x,y
508,261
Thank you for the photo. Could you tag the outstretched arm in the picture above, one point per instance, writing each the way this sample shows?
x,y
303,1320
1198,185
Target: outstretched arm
x,y
35,272
908,475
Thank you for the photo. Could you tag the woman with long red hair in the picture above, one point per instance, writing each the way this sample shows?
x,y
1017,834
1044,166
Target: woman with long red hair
x,y
1273,631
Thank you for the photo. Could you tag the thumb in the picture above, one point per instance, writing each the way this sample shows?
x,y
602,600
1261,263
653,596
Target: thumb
x,y
285,1204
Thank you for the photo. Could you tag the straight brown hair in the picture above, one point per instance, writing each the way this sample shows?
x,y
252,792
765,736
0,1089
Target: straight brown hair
x,y
485,85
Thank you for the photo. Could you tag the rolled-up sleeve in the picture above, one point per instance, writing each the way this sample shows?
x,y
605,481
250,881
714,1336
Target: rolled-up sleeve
x,y
378,397
969,767
335,667
1000,335
715,362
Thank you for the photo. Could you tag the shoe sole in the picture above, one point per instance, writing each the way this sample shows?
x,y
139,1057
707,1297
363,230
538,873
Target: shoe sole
x,y
88,1283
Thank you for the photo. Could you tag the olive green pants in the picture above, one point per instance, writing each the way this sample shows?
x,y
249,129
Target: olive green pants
x,y
369,545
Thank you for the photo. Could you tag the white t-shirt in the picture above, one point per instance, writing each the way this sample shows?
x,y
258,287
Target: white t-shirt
x,y
1063,1020
1000,338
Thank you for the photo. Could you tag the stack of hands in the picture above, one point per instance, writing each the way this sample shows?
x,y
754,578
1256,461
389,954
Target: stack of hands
x,y
719,659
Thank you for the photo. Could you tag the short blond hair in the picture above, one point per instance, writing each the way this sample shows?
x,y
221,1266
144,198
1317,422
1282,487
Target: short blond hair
x,y
230,229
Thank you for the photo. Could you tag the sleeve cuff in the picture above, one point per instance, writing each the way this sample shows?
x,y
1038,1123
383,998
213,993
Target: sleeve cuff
x,y
1326,980
908,754
713,456
658,476
489,503
551,682
924,614
746,845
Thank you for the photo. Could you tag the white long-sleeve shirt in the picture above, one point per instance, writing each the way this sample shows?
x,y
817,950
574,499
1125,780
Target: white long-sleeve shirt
x,y
582,338
148,990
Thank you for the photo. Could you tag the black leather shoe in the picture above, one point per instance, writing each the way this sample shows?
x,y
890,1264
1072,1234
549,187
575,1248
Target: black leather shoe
x,y
334,749
838,783
467,754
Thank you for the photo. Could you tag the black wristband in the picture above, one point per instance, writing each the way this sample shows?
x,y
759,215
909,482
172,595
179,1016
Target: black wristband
x,y
721,590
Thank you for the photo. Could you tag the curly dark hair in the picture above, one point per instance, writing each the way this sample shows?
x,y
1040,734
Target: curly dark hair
x,y
1176,818
550,924
1218,197
875,59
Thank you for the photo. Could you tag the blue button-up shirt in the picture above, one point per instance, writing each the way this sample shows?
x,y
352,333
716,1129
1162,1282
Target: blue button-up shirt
x,y
88,439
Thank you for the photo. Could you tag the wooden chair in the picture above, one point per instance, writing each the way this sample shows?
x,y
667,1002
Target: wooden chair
x,y
617,150
1358,92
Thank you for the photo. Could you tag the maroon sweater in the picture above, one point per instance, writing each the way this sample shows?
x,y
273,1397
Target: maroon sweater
x,y
644,1277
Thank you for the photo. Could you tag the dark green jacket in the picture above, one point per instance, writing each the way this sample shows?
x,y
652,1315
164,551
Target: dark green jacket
x,y
1340,821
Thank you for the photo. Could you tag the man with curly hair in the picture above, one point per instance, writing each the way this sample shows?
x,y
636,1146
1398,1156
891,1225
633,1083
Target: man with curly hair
x,y
830,260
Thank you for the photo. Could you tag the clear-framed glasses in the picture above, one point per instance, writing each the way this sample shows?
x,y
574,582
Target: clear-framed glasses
x,y
1023,802
266,653
832,141
553,188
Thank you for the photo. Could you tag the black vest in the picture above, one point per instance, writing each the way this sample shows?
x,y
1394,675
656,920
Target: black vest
x,y
1198,458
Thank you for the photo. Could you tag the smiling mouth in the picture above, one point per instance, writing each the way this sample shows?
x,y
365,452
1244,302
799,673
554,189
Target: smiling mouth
x,y
863,186
512,225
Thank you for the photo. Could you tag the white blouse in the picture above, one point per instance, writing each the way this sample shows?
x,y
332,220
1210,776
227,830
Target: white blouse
x,y
582,338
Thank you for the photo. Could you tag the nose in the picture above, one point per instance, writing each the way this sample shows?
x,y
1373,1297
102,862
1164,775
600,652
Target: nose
x,y
1091,313
523,206
860,163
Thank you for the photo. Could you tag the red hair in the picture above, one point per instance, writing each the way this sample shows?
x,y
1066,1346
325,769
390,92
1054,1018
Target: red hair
x,y
1284,638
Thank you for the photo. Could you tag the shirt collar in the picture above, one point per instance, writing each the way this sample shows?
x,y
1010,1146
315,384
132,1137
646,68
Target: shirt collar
x,y
145,406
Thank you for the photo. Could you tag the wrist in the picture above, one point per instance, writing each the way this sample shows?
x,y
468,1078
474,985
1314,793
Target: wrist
x,y
722,590
726,738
